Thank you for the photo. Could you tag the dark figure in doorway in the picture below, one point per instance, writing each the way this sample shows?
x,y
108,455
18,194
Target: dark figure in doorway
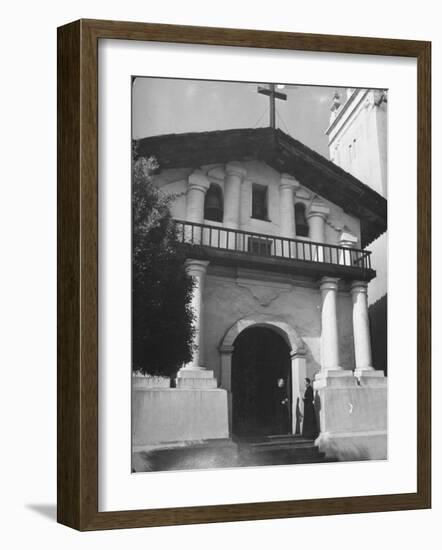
x,y
282,406
309,426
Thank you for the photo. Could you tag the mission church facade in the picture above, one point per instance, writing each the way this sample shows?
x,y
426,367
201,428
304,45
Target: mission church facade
x,y
275,238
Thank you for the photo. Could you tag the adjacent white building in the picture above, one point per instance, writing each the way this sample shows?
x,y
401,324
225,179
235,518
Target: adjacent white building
x,y
357,137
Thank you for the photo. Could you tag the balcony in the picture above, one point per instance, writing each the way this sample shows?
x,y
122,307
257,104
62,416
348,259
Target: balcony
x,y
234,247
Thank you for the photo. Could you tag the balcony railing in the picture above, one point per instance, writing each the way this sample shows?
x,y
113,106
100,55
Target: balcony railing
x,y
258,244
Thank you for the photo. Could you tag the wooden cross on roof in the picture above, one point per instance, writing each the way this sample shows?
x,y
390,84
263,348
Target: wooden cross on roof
x,y
273,95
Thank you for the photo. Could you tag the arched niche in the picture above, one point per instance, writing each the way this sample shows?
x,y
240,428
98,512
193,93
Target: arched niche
x,y
214,203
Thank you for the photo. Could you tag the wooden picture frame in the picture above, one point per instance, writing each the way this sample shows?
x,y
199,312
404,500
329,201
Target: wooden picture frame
x,y
78,274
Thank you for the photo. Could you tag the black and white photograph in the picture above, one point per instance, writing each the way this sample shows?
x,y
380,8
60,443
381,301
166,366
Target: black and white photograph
x,y
259,274
218,253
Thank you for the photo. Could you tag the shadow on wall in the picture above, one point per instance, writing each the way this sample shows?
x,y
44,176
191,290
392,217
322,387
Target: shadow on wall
x,y
378,327
313,365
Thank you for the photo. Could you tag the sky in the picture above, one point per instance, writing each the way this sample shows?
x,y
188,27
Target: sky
x,y
165,106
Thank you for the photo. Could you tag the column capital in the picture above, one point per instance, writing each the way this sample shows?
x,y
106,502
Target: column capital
x,y
299,353
288,182
348,239
319,210
235,168
224,348
196,267
198,180
358,287
329,283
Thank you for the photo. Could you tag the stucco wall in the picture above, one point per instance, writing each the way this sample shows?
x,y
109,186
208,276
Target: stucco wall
x,y
175,181
230,295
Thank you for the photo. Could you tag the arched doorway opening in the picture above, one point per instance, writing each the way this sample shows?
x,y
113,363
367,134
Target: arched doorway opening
x,y
260,404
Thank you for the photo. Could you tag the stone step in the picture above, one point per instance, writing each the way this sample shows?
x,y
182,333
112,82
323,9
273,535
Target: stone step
x,y
285,451
270,439
282,460
282,444
230,454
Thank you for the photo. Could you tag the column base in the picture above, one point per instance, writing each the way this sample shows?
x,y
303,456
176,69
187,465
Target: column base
x,y
353,420
196,377
370,377
334,378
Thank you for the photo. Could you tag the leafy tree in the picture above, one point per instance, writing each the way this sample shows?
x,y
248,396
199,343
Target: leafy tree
x,y
162,319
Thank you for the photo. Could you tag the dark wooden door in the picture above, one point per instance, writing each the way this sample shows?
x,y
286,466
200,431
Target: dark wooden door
x,y
260,357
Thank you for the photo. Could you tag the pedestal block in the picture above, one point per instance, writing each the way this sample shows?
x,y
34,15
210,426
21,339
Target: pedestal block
x,y
195,378
352,416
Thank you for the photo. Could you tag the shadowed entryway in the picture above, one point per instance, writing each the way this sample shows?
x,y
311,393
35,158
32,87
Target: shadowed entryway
x,y
260,406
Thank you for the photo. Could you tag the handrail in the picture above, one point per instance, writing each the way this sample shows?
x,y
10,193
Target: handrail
x,y
260,244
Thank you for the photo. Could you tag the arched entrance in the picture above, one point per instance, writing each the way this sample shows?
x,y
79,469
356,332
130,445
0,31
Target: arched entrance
x,y
261,405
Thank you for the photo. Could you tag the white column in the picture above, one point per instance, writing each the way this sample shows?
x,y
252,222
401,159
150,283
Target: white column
x,y
197,186
329,325
287,188
235,175
194,374
361,328
316,221
299,373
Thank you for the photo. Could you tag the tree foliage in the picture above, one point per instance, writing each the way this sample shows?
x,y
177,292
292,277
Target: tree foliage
x,y
162,319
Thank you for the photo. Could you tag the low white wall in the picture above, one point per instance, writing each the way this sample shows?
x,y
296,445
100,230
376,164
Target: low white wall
x,y
161,415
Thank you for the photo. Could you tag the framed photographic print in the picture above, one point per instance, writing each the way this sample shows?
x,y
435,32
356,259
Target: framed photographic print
x,y
235,207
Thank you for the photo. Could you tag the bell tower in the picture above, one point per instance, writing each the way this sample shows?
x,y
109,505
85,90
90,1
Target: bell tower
x,y
357,140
